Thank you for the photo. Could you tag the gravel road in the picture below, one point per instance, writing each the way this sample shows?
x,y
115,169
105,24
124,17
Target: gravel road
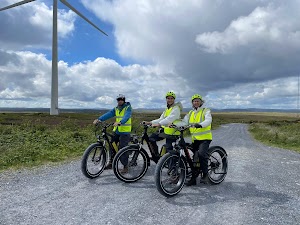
x,y
262,187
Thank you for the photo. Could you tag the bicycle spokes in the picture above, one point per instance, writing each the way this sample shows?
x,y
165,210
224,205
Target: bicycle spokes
x,y
217,165
135,161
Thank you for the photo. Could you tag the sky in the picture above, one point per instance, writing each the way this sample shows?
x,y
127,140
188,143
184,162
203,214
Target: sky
x,y
236,54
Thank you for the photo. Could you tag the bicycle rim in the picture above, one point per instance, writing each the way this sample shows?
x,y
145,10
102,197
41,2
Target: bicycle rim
x,y
136,162
170,175
189,171
217,165
94,161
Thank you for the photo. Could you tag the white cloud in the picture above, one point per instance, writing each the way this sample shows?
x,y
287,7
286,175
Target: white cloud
x,y
26,78
27,75
30,25
265,29
236,54
260,38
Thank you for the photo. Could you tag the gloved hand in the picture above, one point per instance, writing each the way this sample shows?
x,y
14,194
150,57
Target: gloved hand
x,y
197,126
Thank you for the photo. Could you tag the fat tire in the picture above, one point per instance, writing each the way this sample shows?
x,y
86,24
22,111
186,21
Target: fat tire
x,y
117,162
217,164
101,158
158,175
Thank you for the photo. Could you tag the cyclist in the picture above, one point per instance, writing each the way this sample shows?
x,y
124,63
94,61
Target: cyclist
x,y
169,116
122,126
201,119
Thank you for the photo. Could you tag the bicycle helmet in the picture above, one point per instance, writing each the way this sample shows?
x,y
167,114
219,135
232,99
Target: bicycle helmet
x,y
121,97
171,93
197,96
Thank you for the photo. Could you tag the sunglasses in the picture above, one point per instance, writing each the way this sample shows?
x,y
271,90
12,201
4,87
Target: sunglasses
x,y
120,99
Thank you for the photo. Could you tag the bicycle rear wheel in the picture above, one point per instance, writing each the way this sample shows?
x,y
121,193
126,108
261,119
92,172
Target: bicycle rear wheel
x,y
93,160
217,164
170,174
136,161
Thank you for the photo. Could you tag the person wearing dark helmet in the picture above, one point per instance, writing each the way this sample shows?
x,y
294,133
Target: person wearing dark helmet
x,y
200,118
122,126
170,115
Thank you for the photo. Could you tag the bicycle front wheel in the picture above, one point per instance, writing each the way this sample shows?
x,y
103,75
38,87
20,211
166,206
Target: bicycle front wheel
x,y
130,164
170,174
217,164
93,160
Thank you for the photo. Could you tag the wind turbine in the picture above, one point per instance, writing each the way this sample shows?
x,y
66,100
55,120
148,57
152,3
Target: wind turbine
x,y
54,81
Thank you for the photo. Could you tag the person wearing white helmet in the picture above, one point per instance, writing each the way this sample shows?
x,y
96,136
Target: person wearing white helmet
x,y
122,126
200,118
170,115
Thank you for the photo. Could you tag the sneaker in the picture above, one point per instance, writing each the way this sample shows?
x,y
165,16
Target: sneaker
x,y
108,166
204,179
124,170
191,182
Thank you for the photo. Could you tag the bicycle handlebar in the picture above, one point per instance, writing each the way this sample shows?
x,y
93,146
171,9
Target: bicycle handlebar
x,y
180,128
104,125
145,124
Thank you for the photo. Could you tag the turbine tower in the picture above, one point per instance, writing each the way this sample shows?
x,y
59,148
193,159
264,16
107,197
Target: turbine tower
x,y
54,80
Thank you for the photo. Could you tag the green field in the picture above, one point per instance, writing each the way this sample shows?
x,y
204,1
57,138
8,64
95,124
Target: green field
x,y
33,139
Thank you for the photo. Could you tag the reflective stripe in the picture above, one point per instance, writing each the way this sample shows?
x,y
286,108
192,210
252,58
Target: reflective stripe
x,y
200,133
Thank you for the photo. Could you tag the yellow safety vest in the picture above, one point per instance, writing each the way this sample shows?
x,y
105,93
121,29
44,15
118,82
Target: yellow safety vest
x,y
199,133
119,116
168,130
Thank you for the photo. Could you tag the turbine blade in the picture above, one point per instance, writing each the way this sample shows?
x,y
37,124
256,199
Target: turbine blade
x,y
16,4
82,16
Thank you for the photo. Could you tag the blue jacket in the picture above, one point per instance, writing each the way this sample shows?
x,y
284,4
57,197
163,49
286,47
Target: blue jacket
x,y
112,113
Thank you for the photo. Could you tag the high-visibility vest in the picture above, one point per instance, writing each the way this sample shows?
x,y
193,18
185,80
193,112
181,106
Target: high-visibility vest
x,y
199,133
168,130
119,116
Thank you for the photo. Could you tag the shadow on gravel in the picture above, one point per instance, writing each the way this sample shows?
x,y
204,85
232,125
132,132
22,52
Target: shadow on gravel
x,y
103,179
109,178
243,192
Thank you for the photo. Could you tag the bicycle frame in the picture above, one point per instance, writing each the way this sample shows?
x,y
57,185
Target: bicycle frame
x,y
106,136
139,143
180,145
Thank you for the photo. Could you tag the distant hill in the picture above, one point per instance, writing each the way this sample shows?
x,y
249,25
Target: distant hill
x,y
45,110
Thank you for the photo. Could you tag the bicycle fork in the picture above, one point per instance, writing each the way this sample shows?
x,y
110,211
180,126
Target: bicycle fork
x,y
175,165
133,161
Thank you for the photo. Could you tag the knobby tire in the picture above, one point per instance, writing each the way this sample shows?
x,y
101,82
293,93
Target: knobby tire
x,y
137,164
93,160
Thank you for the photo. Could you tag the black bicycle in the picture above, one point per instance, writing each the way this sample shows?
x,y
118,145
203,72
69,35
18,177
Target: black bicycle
x,y
135,157
95,157
172,168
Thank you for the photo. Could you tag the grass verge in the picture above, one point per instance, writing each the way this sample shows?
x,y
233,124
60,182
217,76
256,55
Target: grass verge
x,y
33,139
